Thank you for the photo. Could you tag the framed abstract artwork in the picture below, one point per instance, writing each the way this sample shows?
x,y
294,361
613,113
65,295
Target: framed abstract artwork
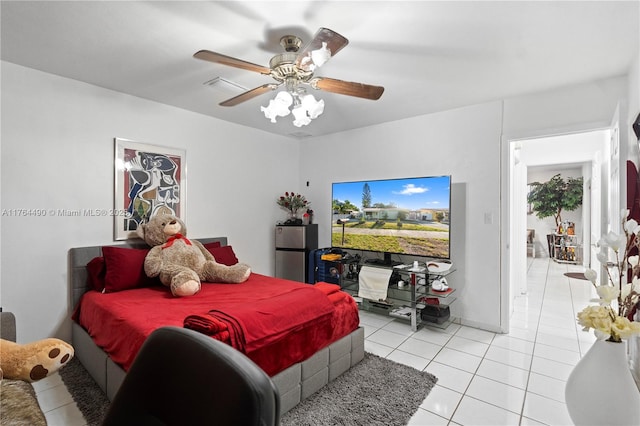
x,y
149,180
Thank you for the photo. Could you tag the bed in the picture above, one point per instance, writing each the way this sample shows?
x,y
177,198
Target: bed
x,y
301,348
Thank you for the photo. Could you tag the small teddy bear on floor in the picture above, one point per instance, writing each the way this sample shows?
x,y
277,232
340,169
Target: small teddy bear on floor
x,y
33,361
182,263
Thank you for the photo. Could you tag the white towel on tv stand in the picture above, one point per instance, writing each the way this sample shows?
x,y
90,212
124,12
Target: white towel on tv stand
x,y
373,283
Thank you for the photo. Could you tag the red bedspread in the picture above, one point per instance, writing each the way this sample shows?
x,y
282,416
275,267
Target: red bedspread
x,y
276,322
249,326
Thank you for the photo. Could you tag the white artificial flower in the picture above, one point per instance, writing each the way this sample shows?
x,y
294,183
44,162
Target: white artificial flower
x,y
602,256
633,287
602,242
591,275
607,293
625,328
624,213
630,225
606,323
621,242
615,241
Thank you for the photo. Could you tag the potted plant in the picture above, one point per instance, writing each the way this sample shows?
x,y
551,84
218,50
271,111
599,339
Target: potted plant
x,y
556,195
551,198
293,202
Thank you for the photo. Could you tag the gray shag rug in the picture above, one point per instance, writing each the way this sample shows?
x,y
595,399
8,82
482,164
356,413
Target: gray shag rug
x,y
376,391
91,401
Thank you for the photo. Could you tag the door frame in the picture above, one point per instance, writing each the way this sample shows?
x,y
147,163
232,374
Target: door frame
x,y
509,274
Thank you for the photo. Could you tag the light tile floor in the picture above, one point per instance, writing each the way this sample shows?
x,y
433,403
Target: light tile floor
x,y
502,379
484,378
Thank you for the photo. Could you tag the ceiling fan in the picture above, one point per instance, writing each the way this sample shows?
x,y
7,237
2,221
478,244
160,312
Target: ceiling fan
x,y
295,69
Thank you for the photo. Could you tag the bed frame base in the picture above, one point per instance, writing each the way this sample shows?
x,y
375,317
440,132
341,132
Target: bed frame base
x,y
294,384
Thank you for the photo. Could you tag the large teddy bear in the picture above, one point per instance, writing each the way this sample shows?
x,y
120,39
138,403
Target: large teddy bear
x,y
181,263
33,361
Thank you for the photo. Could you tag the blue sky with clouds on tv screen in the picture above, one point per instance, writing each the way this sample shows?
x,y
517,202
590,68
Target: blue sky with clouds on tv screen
x,y
411,193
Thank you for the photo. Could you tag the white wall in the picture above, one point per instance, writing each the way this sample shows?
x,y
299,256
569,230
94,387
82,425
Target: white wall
x,y
464,143
58,153
581,107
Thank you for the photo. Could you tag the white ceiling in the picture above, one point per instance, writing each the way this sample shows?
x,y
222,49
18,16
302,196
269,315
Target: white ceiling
x,y
429,55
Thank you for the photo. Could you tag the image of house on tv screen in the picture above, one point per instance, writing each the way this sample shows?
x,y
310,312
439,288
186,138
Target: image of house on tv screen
x,y
405,216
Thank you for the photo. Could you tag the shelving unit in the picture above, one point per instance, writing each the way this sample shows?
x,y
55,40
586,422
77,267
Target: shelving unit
x,y
418,288
565,249
404,302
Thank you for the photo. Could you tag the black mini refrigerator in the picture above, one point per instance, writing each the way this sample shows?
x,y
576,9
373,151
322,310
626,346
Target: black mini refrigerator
x,y
293,243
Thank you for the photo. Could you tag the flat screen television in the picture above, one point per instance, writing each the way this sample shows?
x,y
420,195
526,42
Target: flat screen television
x,y
409,216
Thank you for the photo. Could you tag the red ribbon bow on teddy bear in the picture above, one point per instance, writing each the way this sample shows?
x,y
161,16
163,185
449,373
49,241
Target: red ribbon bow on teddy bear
x,y
173,238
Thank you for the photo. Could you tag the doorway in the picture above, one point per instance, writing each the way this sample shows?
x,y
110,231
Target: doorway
x,y
586,154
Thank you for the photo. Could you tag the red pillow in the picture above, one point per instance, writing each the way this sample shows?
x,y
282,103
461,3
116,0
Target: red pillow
x,y
125,268
224,255
95,273
212,245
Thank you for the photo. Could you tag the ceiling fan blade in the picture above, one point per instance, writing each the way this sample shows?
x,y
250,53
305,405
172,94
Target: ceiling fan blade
x,y
219,58
348,88
250,94
325,44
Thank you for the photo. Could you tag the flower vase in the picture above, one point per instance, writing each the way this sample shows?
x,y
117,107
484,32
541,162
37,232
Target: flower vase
x,y
292,218
601,390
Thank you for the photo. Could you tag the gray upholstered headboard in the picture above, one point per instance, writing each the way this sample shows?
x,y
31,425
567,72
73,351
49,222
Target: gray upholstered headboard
x,y
80,256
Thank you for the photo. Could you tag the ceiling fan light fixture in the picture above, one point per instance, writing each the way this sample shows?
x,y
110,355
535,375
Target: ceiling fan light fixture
x,y
293,69
300,115
314,108
315,58
278,106
320,56
305,107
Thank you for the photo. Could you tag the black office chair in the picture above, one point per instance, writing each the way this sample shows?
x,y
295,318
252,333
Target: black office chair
x,y
182,377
